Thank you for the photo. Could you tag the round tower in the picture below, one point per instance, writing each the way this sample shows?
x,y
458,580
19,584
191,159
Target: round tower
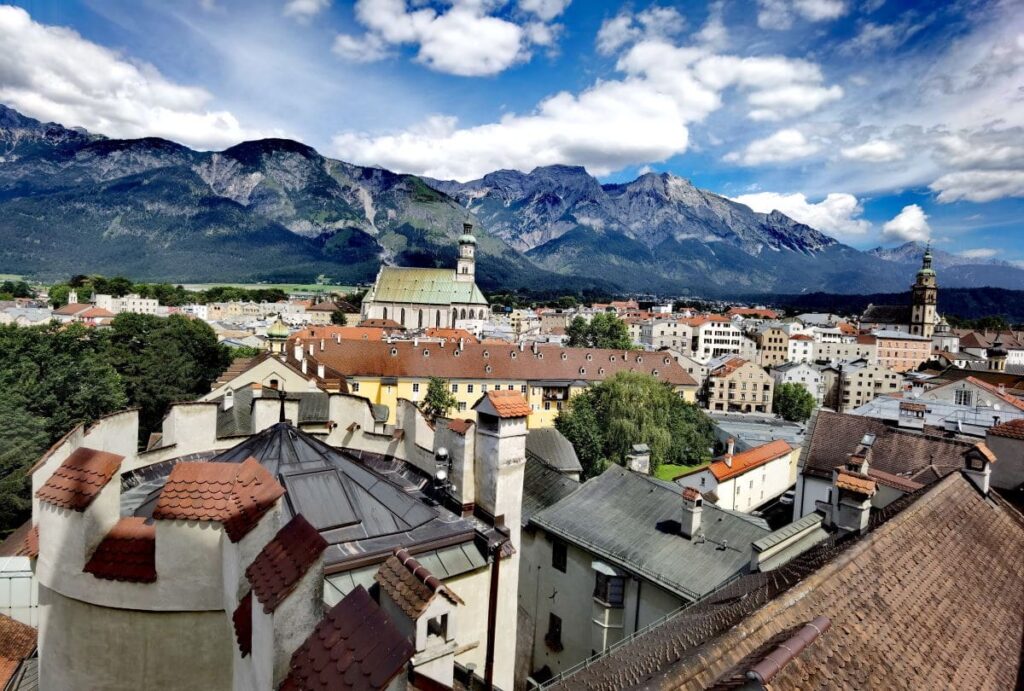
x,y
277,336
924,297
996,355
465,269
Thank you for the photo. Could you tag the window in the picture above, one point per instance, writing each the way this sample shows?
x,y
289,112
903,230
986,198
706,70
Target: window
x,y
553,638
462,406
547,405
963,397
469,388
483,388
355,387
609,589
416,387
522,389
511,387
455,388
559,555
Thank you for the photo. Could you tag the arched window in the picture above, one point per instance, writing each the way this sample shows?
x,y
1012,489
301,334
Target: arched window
x,y
402,320
472,314
421,319
463,312
437,319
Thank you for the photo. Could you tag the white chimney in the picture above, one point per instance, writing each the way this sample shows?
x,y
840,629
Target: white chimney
x,y
320,370
229,400
298,350
461,342
312,349
415,341
322,345
639,459
693,507
730,449
978,462
304,365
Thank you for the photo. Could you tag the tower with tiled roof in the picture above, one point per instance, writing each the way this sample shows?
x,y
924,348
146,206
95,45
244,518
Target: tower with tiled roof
x,y
924,297
465,270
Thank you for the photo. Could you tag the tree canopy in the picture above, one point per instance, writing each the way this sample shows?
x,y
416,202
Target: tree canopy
x,y
793,402
605,330
438,399
606,420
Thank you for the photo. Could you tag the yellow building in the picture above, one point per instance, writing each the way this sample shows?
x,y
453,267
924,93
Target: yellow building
x,y
546,376
735,384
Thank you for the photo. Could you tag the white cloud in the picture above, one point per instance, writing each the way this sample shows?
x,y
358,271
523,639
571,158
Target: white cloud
x,y
873,151
546,10
779,14
784,145
979,185
54,74
714,34
651,24
838,214
909,224
872,37
304,10
465,39
979,253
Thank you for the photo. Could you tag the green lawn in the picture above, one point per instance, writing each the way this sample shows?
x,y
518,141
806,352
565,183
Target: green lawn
x,y
667,471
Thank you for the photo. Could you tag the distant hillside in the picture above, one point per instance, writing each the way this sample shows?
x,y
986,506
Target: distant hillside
x,y
967,303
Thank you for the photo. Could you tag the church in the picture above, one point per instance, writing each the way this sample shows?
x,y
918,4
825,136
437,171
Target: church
x,y
425,298
920,318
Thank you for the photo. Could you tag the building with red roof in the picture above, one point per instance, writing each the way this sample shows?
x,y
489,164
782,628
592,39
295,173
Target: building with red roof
x,y
745,480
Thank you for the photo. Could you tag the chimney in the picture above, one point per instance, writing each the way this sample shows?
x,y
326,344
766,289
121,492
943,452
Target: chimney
x,y
320,370
257,390
1002,389
321,345
415,342
462,342
693,506
730,450
229,400
850,501
978,462
639,459
312,349
298,350
305,367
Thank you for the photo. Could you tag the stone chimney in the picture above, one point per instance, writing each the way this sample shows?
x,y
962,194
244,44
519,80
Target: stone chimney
x,y
978,462
693,507
850,501
730,451
639,459
229,400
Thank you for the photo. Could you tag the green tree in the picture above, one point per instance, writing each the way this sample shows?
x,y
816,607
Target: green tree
x,y
23,439
338,318
793,402
604,330
605,421
438,399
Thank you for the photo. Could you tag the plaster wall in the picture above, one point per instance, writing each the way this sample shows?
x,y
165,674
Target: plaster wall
x,y
1008,470
294,618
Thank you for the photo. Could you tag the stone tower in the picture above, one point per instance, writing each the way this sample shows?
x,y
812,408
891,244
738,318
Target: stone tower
x,y
924,296
465,270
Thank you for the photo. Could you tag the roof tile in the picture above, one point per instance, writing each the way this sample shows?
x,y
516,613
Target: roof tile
x,y
283,561
80,478
126,553
750,459
17,641
242,621
410,585
234,494
509,404
1014,429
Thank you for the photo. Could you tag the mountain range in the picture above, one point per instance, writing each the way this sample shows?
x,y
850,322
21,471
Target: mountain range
x,y
276,210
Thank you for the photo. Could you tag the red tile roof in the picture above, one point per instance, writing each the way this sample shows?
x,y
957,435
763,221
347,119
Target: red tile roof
x,y
357,333
451,334
126,553
22,542
234,494
1014,429
460,427
80,478
508,403
17,641
97,313
410,585
72,309
904,484
856,483
691,494
994,390
283,561
750,459
355,646
753,312
242,621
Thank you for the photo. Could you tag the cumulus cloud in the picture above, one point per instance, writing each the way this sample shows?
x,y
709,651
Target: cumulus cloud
x,y
909,224
874,151
979,185
979,253
838,214
626,28
784,145
640,118
780,14
53,74
304,10
465,39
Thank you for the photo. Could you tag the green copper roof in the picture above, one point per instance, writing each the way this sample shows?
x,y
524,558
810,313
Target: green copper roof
x,y
467,238
424,286
278,330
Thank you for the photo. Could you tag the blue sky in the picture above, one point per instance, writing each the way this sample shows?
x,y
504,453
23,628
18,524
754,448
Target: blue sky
x,y
876,121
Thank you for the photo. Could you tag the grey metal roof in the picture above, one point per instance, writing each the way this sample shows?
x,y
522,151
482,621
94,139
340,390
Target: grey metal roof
x,y
788,531
542,487
750,430
25,677
633,522
364,505
237,420
550,447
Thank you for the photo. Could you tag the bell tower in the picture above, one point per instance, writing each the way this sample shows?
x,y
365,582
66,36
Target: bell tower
x,y
465,269
924,296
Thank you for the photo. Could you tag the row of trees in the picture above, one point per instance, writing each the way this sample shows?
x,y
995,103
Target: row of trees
x,y
54,377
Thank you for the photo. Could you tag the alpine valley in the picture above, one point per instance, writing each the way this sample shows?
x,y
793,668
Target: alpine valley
x,y
276,210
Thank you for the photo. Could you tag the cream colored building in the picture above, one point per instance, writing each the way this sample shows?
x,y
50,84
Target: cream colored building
x,y
735,384
772,347
849,385
746,480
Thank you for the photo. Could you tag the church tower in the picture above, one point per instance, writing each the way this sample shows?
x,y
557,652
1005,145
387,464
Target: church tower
x,y
465,270
925,294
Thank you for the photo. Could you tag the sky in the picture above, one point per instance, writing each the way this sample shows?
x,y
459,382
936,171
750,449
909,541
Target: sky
x,y
875,121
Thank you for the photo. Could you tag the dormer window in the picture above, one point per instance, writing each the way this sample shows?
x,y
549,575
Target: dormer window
x,y
589,357
426,353
486,354
394,352
564,356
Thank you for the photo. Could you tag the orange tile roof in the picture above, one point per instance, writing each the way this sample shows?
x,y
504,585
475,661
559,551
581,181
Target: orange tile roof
x,y
800,337
856,483
460,427
126,553
96,313
22,542
750,459
17,641
358,333
691,494
281,564
753,312
729,366
509,403
982,448
994,390
1014,429
451,334
234,494
80,478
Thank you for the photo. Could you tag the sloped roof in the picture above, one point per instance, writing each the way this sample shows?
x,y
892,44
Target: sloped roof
x,y
886,314
550,447
234,494
237,420
80,478
283,561
633,520
241,620
925,600
355,333
126,553
502,361
900,452
17,641
750,459
542,487
22,542
410,585
355,646
1014,429
503,404
994,390
423,286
